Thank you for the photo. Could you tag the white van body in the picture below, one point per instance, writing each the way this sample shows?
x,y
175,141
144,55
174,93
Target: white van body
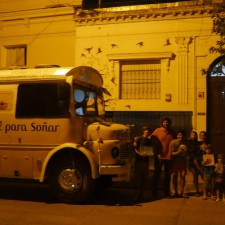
x,y
51,130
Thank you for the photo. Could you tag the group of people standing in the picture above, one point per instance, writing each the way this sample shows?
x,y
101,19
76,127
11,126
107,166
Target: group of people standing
x,y
176,154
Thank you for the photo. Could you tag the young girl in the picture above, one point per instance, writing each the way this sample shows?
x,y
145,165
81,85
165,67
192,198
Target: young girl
x,y
203,143
220,184
178,150
209,174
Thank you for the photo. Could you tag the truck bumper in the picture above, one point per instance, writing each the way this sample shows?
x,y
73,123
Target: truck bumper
x,y
118,172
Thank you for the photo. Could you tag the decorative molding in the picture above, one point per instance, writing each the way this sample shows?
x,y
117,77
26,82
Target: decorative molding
x,y
182,79
163,56
182,67
167,63
182,51
116,14
144,13
146,55
183,43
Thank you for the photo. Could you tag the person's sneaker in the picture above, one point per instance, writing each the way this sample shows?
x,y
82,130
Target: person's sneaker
x,y
176,195
183,195
168,196
213,198
217,199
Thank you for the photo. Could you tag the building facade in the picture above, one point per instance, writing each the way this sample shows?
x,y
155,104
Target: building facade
x,y
150,56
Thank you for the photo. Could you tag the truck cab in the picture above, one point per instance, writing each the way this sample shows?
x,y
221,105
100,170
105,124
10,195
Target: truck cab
x,y
52,129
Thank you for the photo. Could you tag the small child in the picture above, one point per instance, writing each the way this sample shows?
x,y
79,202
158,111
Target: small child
x,y
209,174
220,184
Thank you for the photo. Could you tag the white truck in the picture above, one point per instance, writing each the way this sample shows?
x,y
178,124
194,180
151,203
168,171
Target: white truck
x,y
51,130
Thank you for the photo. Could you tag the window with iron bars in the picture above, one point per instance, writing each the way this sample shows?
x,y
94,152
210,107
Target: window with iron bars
x,y
16,55
140,79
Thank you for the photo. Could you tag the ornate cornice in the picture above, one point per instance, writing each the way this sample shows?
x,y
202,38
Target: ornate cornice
x,y
123,14
166,11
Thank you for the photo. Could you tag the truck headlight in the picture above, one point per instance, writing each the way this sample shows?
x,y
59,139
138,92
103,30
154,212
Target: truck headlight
x,y
115,152
124,134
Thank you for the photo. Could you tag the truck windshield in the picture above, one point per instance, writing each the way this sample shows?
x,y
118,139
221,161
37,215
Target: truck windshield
x,y
87,102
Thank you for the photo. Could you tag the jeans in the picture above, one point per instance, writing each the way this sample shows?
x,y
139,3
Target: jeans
x,y
158,165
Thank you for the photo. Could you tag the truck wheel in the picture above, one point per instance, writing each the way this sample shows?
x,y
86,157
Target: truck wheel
x,y
71,182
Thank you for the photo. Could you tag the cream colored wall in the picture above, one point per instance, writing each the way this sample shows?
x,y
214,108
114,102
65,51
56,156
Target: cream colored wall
x,y
189,41
17,5
53,37
49,35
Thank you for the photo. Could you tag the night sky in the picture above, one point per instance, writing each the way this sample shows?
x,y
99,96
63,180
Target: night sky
x,y
111,3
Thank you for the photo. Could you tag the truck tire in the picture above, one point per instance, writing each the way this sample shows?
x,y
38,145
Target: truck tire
x,y
70,180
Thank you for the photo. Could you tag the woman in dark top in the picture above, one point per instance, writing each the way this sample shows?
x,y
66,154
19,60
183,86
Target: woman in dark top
x,y
194,160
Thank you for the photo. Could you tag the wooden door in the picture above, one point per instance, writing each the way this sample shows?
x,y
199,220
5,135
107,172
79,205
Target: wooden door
x,y
216,113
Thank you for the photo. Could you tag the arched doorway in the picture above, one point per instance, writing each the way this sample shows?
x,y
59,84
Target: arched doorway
x,y
216,105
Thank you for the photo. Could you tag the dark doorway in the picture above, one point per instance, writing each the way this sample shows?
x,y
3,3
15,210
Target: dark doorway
x,y
216,106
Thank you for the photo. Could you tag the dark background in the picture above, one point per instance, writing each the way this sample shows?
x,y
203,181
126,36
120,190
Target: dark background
x,y
113,3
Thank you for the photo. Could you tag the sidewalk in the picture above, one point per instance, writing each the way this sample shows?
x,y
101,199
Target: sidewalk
x,y
189,187
162,211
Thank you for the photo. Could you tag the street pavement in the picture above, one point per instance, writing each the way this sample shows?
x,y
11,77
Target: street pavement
x,y
111,207
175,211
163,211
33,205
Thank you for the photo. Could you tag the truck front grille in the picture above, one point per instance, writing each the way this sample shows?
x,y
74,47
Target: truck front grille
x,y
125,151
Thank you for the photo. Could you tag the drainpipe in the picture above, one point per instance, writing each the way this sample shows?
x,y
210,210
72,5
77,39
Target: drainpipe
x,y
195,88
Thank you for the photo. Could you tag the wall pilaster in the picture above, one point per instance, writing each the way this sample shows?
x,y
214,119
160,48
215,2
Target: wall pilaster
x,y
182,62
